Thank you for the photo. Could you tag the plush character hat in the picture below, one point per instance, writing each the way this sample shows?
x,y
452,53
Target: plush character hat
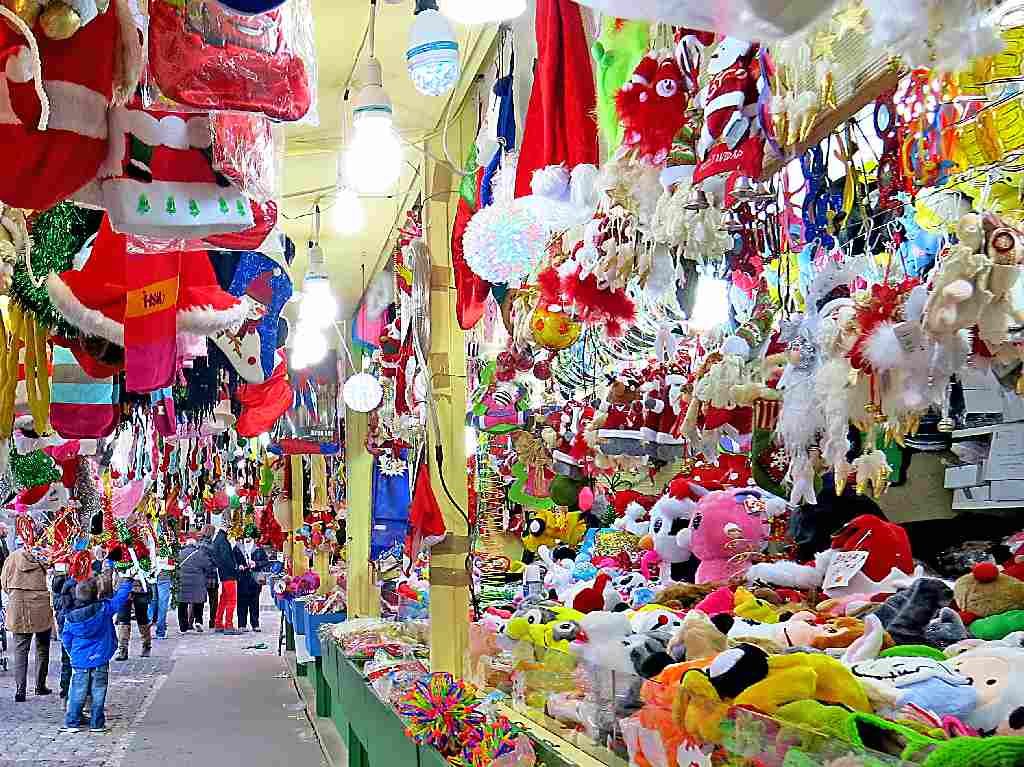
x,y
886,542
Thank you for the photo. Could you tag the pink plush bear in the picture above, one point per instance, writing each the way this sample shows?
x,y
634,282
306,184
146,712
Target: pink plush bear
x,y
727,528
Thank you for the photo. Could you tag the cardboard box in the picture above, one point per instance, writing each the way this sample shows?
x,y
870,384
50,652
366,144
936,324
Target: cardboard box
x,y
980,494
967,475
1008,490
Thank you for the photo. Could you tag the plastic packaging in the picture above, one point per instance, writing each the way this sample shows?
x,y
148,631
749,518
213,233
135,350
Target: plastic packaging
x,y
747,19
245,152
206,56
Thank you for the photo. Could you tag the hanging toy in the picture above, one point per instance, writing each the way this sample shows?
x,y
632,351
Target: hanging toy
x,y
652,107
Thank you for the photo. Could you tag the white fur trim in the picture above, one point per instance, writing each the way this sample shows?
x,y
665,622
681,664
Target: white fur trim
x,y
790,574
77,109
171,131
37,65
673,508
90,321
206,321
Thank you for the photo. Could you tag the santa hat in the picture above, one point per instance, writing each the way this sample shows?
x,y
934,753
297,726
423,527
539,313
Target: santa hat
x,y
57,93
91,297
624,499
204,308
426,523
560,122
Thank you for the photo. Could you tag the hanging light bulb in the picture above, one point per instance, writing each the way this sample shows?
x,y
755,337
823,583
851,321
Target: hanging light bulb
x,y
319,307
711,307
348,216
433,53
481,12
310,346
373,161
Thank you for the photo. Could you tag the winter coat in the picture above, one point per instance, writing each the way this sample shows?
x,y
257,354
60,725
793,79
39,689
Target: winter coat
x,y
195,570
63,597
224,557
88,634
28,608
247,585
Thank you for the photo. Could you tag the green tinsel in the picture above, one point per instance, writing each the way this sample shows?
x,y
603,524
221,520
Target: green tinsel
x,y
123,532
33,469
57,235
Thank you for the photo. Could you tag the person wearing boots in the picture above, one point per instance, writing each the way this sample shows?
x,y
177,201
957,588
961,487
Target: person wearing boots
x,y
252,576
29,613
195,570
224,558
212,582
139,604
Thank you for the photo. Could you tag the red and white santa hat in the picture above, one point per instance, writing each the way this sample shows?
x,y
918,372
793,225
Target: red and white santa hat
x,y
204,308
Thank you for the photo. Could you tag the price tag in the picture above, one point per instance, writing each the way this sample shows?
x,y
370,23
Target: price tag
x,y
844,566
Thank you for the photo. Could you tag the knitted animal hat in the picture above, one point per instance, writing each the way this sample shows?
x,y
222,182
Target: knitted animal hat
x,y
234,62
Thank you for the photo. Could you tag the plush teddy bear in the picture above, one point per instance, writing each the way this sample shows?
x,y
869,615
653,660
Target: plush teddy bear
x,y
985,591
957,294
727,529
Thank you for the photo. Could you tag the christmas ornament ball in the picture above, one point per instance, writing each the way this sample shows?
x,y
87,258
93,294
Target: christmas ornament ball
x,y
553,329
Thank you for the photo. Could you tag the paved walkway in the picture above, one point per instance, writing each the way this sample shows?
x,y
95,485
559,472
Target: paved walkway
x,y
201,699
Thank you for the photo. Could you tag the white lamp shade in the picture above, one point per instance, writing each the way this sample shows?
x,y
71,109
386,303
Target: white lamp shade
x,y
362,393
433,54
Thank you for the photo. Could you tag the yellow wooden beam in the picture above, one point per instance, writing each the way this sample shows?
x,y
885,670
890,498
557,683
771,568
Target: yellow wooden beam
x,y
300,563
363,595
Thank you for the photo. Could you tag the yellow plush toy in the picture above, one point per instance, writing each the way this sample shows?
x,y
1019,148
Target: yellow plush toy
x,y
750,607
747,676
550,527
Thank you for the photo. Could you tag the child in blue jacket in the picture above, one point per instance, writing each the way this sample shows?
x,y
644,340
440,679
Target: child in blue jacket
x,y
89,639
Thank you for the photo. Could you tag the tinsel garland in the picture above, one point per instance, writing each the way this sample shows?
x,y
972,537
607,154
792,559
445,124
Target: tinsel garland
x,y
87,493
57,236
123,532
33,469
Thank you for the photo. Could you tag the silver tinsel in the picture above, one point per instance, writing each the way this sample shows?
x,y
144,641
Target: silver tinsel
x,y
87,492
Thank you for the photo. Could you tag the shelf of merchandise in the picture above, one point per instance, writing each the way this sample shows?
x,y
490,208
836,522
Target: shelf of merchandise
x,y
375,735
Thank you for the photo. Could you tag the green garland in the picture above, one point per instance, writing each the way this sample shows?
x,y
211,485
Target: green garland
x,y
34,469
57,236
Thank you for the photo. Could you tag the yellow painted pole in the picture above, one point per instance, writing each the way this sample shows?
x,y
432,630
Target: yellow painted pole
x,y
449,575
363,595
299,562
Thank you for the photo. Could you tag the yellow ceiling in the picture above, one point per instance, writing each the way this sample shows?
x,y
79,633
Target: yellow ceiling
x,y
311,152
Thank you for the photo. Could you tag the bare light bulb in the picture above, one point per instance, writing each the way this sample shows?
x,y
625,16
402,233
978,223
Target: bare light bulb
x,y
348,216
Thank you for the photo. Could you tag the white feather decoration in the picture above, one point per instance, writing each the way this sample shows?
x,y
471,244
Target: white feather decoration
x,y
883,349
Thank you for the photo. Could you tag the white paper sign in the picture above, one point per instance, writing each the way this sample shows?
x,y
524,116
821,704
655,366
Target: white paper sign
x,y
845,565
1006,454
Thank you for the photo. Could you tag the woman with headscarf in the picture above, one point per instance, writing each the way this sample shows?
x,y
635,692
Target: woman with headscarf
x,y
195,570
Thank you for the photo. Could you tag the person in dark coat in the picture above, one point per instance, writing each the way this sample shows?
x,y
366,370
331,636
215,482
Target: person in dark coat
x,y
227,570
63,587
195,570
252,564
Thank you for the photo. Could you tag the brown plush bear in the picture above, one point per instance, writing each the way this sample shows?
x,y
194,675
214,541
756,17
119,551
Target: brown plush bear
x,y
683,596
985,591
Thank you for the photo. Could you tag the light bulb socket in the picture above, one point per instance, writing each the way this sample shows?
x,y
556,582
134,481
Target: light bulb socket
x,y
372,99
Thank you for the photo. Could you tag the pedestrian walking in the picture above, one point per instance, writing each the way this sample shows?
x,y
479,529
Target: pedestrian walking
x,y
63,587
252,564
29,613
90,640
161,601
213,582
195,570
138,606
227,570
